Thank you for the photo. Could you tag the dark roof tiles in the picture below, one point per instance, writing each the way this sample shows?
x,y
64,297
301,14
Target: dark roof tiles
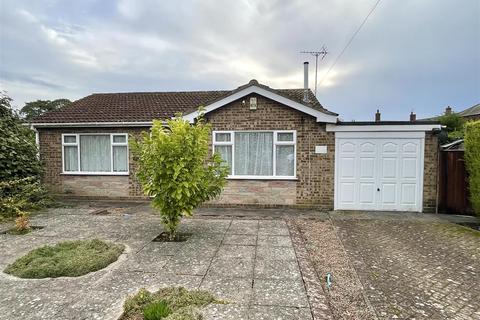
x,y
146,106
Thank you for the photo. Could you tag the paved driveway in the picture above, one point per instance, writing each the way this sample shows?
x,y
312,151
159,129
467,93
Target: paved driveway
x,y
269,264
416,267
250,263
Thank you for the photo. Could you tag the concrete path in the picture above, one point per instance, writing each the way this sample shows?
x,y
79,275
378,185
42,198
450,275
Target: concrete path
x,y
250,263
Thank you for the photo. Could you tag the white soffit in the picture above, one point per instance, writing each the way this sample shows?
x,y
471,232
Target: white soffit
x,y
319,115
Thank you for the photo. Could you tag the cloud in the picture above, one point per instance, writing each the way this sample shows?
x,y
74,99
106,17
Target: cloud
x,y
410,55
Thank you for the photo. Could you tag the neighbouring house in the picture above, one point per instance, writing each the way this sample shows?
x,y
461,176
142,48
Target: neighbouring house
x,y
283,148
472,113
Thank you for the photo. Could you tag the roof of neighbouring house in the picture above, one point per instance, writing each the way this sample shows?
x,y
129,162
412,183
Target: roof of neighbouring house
x,y
472,111
469,112
146,106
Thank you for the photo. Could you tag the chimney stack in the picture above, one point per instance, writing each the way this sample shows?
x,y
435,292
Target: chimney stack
x,y
305,81
448,110
377,116
413,117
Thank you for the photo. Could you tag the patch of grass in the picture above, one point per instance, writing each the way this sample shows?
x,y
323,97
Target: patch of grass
x,y
156,310
183,304
65,259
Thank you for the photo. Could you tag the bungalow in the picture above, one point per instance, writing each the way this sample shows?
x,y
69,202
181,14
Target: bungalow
x,y
283,148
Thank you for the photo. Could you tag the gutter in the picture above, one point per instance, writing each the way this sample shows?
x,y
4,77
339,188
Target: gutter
x,y
90,124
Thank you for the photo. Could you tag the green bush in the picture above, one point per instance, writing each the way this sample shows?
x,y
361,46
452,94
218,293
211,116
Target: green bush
x,y
65,259
177,169
18,151
453,127
157,310
20,196
472,161
20,168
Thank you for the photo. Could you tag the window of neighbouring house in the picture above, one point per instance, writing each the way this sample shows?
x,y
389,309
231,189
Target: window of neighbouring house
x,y
95,153
257,154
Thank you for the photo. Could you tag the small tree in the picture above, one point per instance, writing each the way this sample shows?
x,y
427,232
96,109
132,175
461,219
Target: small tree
x,y
454,123
472,161
176,169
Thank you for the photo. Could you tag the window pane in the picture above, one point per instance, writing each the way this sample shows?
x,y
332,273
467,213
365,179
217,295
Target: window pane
x,y
95,153
120,159
119,139
285,136
254,153
70,139
70,155
226,154
285,160
222,137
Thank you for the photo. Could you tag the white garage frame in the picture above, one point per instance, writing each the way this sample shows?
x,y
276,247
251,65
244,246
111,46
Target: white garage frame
x,y
418,135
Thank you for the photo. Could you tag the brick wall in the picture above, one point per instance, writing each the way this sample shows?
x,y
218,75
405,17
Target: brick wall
x,y
80,185
430,173
258,192
315,172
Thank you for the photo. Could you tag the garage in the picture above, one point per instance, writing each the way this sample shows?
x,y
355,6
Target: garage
x,y
379,167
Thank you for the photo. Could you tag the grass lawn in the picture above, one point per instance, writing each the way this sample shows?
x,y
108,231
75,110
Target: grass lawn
x,y
167,303
65,259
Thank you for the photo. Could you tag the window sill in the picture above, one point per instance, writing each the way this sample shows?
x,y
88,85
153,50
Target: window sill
x,y
95,173
261,178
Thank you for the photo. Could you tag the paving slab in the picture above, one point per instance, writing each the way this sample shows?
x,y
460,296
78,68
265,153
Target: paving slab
x,y
282,292
233,290
274,241
275,269
279,313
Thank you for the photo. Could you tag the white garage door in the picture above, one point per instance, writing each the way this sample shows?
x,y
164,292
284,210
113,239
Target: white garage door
x,y
379,173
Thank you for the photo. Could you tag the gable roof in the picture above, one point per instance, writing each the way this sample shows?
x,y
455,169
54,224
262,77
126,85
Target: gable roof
x,y
311,106
472,111
143,107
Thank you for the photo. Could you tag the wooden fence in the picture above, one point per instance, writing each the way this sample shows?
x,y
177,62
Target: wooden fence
x,y
453,183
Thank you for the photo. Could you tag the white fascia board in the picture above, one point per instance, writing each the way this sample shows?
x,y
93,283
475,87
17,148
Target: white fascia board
x,y
380,135
320,116
383,128
91,124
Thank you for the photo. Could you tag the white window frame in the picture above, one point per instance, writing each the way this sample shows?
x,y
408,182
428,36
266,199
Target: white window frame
x,y
275,144
112,145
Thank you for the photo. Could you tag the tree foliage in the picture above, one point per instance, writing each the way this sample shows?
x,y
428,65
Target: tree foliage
x,y
454,125
20,188
36,108
18,151
176,169
472,161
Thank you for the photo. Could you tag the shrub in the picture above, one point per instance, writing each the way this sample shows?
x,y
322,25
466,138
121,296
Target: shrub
x,y
177,170
20,189
18,151
472,162
22,223
156,311
65,259
454,126
19,196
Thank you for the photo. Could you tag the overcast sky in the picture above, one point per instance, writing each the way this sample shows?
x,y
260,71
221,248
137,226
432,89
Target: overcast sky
x,y
411,55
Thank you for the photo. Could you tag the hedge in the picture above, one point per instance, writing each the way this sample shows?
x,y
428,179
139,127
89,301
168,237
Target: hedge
x,y
472,161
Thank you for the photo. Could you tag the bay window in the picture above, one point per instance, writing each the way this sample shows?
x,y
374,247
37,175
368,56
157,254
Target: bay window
x,y
257,154
95,153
